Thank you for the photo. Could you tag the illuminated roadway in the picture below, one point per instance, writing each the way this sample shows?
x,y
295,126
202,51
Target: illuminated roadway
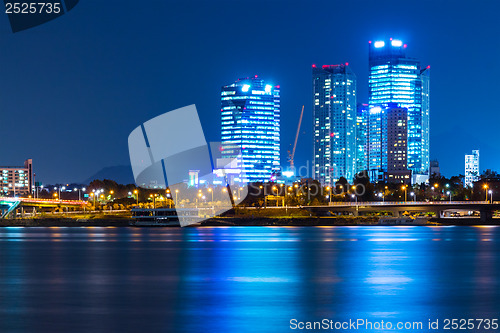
x,y
9,204
397,208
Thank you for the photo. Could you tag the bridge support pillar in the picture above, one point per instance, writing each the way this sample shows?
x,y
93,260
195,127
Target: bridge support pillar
x,y
486,215
396,213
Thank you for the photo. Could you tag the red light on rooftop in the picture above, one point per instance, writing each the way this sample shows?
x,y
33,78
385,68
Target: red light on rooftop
x,y
347,64
278,86
314,66
256,76
405,45
369,42
428,66
331,135
325,66
390,38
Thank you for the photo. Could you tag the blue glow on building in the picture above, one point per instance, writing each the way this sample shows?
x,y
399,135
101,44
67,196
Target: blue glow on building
x,y
250,124
334,123
361,137
395,78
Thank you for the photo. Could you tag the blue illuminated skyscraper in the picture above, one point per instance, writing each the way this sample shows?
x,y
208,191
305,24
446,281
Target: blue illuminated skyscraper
x,y
250,125
361,137
334,123
395,78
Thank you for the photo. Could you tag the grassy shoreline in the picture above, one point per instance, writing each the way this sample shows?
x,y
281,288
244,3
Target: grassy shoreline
x,y
110,221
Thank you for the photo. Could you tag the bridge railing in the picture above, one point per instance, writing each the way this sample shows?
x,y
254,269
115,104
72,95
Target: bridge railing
x,y
406,203
44,201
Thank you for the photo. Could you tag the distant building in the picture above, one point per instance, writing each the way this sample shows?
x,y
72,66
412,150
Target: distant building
x,y
395,78
471,168
334,123
434,169
250,128
17,181
361,137
397,146
387,144
376,138
194,178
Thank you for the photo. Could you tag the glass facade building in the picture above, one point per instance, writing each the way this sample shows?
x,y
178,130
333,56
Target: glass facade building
x,y
17,181
334,123
395,78
376,143
361,137
471,168
250,128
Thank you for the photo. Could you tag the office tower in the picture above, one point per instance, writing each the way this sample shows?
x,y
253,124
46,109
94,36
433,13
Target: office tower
x,y
250,127
434,169
334,123
17,180
471,168
396,78
376,143
361,137
397,146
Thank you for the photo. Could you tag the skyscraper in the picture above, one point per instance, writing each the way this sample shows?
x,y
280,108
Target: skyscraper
x,y
376,143
361,137
395,78
397,146
471,168
334,123
250,127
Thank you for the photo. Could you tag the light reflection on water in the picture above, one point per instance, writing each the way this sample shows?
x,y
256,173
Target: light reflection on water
x,y
242,279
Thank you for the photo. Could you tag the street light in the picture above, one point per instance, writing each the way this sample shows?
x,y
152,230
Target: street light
x,y
137,196
405,189
199,196
449,193
154,199
176,191
275,188
212,192
80,192
491,196
59,190
485,186
381,195
329,193
412,194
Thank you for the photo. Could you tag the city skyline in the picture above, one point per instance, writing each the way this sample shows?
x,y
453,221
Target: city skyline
x,y
93,105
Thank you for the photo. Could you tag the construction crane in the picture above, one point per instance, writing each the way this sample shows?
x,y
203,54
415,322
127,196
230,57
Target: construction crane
x,y
291,154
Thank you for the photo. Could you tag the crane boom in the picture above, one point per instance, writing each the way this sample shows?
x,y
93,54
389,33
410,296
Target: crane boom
x,y
292,155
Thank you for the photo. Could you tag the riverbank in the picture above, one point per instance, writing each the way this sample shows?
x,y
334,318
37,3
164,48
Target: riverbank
x,y
232,221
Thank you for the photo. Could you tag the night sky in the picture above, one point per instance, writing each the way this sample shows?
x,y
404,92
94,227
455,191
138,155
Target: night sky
x,y
73,89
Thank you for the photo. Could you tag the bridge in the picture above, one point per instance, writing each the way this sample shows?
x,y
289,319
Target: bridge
x,y
10,205
397,208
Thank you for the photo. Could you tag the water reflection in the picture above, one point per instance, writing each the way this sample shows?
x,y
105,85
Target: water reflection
x,y
245,279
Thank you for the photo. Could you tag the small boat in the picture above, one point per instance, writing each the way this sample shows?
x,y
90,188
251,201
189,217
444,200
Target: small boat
x,y
164,217
406,220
